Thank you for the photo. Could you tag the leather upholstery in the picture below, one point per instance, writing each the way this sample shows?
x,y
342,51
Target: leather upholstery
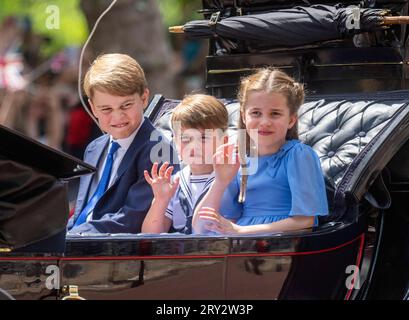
x,y
339,130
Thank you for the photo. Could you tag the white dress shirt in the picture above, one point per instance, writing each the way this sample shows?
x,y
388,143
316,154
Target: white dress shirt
x,y
118,156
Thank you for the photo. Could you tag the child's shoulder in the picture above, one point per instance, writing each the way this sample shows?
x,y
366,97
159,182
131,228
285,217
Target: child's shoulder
x,y
101,139
297,149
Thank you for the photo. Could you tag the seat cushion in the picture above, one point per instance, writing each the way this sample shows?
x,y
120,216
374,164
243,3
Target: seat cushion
x,y
339,130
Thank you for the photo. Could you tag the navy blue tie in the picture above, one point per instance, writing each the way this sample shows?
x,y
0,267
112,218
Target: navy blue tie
x,y
102,185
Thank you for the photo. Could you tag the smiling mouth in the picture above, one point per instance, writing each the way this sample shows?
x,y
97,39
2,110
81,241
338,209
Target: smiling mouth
x,y
264,133
118,126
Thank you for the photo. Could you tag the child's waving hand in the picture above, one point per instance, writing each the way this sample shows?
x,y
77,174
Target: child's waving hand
x,y
160,181
226,162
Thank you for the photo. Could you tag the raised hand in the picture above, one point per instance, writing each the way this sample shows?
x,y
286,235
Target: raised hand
x,y
226,162
160,181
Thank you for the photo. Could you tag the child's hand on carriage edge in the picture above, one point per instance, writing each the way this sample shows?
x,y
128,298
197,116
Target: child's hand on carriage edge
x,y
212,220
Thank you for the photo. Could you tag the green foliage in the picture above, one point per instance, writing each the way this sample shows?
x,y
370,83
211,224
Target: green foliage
x,y
72,29
177,12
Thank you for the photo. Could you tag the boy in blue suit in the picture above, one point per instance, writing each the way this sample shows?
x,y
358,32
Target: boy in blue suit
x,y
116,198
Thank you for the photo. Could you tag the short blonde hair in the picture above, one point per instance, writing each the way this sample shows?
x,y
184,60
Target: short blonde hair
x,y
200,111
116,74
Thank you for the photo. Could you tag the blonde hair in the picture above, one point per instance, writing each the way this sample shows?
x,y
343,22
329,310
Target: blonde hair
x,y
116,74
200,111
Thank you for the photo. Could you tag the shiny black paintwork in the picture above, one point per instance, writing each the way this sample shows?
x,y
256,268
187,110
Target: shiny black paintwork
x,y
189,267
325,70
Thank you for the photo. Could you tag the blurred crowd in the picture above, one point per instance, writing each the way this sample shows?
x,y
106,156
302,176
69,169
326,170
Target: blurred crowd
x,y
38,95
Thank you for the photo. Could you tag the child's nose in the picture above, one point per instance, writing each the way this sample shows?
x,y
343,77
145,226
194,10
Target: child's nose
x,y
265,121
197,150
118,115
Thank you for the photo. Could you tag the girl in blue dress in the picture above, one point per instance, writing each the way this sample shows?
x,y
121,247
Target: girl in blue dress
x,y
286,191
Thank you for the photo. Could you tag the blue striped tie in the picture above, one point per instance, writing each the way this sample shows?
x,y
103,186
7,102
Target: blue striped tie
x,y
102,185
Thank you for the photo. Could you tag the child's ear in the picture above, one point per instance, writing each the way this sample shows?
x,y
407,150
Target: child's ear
x,y
92,108
145,98
293,121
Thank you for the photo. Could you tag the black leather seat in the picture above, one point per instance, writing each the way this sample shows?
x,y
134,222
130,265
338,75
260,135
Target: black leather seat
x,y
340,129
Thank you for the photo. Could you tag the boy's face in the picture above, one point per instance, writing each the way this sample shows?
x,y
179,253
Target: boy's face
x,y
118,116
197,146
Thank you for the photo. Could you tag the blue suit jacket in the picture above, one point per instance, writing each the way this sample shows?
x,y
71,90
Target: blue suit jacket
x,y
124,205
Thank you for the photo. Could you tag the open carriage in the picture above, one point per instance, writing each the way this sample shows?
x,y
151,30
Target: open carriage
x,y
360,251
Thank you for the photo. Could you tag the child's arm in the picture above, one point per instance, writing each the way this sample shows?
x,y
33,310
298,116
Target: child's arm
x,y
155,220
163,190
293,223
219,224
212,199
225,171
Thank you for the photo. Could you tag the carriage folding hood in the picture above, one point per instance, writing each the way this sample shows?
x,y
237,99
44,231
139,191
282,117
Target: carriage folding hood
x,y
33,197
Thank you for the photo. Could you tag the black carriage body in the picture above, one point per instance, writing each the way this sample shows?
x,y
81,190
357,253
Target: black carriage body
x,y
360,252
187,267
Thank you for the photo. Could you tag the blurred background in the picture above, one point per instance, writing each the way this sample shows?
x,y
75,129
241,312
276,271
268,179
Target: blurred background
x,y
40,45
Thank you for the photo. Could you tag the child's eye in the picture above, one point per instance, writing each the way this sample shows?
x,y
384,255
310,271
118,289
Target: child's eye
x,y
255,113
185,139
106,110
126,106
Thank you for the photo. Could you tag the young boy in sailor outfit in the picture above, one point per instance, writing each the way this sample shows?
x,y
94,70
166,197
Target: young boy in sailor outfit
x,y
199,124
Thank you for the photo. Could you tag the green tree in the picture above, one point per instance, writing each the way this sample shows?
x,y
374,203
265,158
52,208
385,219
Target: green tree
x,y
72,27
177,12
134,27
